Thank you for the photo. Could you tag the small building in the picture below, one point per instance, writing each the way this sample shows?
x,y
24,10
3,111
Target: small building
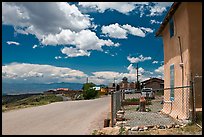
x,y
154,83
124,84
181,31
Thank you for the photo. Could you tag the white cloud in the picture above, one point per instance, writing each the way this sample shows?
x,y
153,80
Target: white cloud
x,y
155,8
35,46
12,43
73,52
58,57
134,31
155,62
122,7
159,8
147,29
17,72
120,32
83,40
138,59
30,16
114,31
160,70
155,22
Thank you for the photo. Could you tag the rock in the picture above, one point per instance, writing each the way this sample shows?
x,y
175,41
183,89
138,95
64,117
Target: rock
x,y
169,126
120,123
154,128
177,126
141,129
110,131
135,128
161,127
145,128
120,112
127,127
119,115
150,126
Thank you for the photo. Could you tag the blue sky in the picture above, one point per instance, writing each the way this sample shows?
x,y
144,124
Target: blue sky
x,y
68,42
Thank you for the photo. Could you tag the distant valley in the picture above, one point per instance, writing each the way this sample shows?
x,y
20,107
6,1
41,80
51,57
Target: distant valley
x,y
21,88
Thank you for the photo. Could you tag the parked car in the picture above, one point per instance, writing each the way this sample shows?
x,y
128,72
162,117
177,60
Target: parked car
x,y
129,91
148,92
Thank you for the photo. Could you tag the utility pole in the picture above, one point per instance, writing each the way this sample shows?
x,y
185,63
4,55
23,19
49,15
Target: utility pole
x,y
87,80
137,72
137,83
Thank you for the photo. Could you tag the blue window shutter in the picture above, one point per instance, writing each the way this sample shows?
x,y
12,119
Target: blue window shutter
x,y
172,82
171,27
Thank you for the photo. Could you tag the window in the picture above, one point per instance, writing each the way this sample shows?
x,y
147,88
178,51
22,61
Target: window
x,y
171,26
172,82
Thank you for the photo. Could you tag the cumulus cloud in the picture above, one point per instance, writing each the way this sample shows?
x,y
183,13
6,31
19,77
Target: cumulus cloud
x,y
120,32
35,46
134,31
74,52
12,43
106,77
138,59
122,7
58,57
155,62
29,16
152,8
160,70
64,24
114,31
17,72
155,22
158,8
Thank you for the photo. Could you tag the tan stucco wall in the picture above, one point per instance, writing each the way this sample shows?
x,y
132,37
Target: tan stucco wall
x,y
195,47
183,28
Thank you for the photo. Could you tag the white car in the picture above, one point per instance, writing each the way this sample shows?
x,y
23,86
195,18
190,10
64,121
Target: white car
x,y
129,91
147,92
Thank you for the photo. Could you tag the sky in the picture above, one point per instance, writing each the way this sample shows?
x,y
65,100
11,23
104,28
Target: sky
x,y
51,42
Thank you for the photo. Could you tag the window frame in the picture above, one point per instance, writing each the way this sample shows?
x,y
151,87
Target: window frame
x,y
171,27
172,81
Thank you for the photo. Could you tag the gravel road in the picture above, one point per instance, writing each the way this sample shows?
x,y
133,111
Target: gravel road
x,y
60,118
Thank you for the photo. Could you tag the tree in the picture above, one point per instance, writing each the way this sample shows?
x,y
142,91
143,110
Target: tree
x,y
89,92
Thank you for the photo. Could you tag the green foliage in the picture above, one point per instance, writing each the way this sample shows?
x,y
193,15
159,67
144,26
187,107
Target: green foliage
x,y
88,92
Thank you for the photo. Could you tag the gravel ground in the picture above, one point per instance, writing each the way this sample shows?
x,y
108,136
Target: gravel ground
x,y
154,117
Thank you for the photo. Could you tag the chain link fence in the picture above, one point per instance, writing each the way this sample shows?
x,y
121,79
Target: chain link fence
x,y
183,103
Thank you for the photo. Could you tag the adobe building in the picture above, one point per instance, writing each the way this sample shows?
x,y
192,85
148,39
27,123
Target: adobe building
x,y
181,31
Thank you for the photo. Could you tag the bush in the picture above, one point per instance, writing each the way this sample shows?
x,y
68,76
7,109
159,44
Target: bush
x,y
88,92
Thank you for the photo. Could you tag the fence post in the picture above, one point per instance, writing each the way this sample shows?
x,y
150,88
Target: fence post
x,y
193,101
111,117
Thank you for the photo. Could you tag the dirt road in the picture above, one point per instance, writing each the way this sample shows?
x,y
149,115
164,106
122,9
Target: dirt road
x,y
61,118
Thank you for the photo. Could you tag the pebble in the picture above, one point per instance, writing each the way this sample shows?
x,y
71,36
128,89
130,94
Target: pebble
x,y
145,128
176,126
135,128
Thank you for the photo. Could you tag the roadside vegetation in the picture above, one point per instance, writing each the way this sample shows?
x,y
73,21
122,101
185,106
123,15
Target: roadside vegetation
x,y
24,102
89,92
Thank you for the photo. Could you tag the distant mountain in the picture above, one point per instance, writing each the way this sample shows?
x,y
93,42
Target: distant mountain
x,y
20,88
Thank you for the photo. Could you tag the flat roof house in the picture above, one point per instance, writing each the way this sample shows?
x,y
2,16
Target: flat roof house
x,y
181,31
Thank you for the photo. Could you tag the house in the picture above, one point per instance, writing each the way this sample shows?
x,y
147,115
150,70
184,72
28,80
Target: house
x,y
154,83
101,90
181,31
124,84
